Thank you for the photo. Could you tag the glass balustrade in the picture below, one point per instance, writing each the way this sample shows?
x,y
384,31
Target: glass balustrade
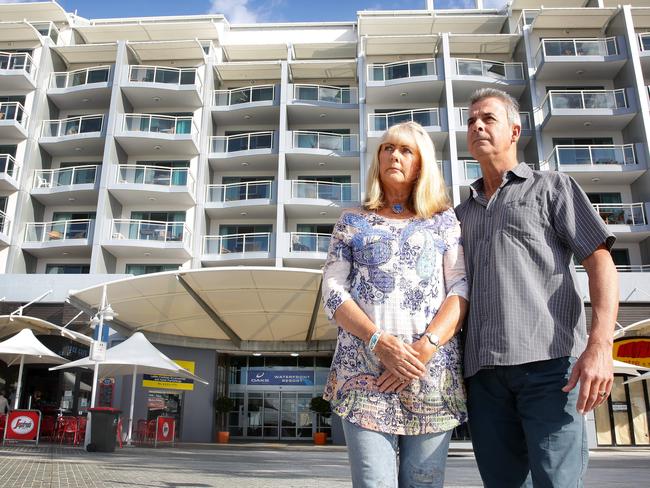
x,y
160,74
325,141
5,223
242,142
58,230
9,166
309,242
427,117
17,61
339,192
13,111
322,93
162,124
580,47
235,192
401,70
584,100
72,126
149,230
248,94
621,213
154,175
644,41
68,79
472,169
53,178
490,69
592,155
237,243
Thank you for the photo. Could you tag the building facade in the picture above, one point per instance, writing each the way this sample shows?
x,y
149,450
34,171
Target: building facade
x,y
134,146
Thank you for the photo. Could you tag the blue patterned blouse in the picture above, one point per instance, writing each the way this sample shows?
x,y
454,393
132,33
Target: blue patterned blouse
x,y
399,272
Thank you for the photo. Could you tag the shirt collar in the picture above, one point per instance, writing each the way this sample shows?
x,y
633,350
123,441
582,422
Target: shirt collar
x,y
522,170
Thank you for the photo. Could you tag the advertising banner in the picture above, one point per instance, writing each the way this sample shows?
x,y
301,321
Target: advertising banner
x,y
279,377
165,430
23,425
168,382
633,350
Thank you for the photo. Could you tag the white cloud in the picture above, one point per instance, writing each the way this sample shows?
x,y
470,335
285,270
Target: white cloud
x,y
236,11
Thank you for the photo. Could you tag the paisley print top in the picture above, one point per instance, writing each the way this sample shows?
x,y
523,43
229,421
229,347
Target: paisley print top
x,y
399,272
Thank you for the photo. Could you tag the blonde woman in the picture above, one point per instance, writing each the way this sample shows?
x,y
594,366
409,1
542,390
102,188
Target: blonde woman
x,y
394,283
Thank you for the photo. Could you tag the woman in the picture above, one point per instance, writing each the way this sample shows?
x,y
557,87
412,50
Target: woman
x,y
394,282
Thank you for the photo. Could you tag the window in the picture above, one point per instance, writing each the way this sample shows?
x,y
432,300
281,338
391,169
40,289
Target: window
x,y
604,197
621,257
140,269
67,269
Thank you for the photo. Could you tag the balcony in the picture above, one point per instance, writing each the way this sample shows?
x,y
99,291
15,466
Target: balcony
x,y
136,184
592,58
307,198
470,171
13,121
69,238
17,72
566,110
253,248
87,88
306,249
73,136
146,134
471,74
644,52
337,105
146,86
254,199
260,103
610,164
429,118
309,148
413,81
131,238
462,114
233,152
65,185
626,220
9,173
5,227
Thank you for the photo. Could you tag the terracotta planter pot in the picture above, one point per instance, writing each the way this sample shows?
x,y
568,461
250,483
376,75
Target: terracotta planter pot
x,y
320,438
223,437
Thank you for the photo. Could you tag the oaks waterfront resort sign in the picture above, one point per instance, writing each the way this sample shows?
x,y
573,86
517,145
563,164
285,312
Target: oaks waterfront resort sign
x,y
280,377
169,382
633,350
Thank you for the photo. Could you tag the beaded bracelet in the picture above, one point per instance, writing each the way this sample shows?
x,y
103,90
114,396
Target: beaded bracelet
x,y
372,343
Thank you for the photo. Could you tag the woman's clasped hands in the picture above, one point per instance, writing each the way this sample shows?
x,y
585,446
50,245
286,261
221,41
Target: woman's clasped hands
x,y
403,362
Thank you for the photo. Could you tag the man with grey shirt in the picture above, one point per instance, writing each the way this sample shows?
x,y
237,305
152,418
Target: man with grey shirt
x,y
526,345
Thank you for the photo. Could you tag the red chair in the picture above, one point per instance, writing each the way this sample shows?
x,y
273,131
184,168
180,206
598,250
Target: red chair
x,y
3,422
70,429
48,427
151,431
119,431
141,431
82,422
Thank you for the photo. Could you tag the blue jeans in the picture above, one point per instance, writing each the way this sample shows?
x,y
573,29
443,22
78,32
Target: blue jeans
x,y
524,427
374,458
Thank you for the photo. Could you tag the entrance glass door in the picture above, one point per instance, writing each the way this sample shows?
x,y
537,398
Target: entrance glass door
x,y
278,415
296,416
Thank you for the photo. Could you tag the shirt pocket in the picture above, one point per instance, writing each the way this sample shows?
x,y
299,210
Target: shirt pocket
x,y
523,219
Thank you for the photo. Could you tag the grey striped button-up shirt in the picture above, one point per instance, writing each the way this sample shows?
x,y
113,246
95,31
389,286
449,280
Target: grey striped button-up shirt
x,y
525,304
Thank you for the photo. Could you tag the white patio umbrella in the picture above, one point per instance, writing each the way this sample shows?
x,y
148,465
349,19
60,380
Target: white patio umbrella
x,y
134,355
626,368
27,349
644,376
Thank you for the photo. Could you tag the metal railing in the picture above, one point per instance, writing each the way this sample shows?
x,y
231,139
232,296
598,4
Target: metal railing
x,y
13,111
18,62
150,230
325,190
47,29
5,223
246,94
331,141
624,268
471,169
160,74
9,166
236,192
85,76
76,175
426,117
159,124
527,17
622,213
237,243
402,69
491,69
59,230
584,100
324,93
309,242
644,41
72,126
154,175
523,116
595,46
242,142
591,155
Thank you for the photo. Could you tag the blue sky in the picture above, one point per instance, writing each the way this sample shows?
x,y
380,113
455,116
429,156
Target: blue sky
x,y
238,11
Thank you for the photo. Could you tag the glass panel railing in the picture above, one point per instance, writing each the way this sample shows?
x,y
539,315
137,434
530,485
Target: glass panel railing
x,y
160,124
72,126
160,74
18,62
234,192
580,47
150,230
242,142
472,169
338,192
5,223
621,213
584,100
491,69
237,243
68,79
402,69
309,242
322,93
644,41
9,166
591,155
426,117
248,94
154,175
325,140
58,231
47,29
53,178
13,111
524,117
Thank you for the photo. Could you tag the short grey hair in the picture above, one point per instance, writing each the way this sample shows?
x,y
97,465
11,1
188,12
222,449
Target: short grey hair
x,y
511,105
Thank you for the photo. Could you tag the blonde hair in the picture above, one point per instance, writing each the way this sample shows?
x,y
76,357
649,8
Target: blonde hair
x,y
429,195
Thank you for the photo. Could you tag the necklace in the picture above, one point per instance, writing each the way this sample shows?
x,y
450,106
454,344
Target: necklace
x,y
397,208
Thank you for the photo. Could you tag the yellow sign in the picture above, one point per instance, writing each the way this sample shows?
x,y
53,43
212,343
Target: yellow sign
x,y
168,382
633,350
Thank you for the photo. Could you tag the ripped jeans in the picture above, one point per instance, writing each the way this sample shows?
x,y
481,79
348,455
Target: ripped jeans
x,y
375,463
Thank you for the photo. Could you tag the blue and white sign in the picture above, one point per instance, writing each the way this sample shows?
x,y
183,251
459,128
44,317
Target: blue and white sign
x,y
281,377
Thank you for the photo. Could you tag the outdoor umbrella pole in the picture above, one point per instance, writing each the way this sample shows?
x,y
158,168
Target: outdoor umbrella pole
x,y
20,380
135,373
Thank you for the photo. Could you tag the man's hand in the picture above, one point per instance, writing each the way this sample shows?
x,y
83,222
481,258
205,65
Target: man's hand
x,y
595,372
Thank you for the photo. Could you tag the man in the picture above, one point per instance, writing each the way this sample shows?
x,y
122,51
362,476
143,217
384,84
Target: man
x,y
4,403
526,347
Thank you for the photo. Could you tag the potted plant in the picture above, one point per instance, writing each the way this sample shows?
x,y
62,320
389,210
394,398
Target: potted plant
x,y
320,407
223,405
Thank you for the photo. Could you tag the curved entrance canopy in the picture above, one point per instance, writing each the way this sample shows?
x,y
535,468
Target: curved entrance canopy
x,y
229,309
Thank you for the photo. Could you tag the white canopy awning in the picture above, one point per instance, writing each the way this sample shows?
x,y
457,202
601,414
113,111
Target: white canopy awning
x,y
11,324
167,50
87,53
335,68
325,50
576,18
255,52
33,11
483,44
401,45
19,32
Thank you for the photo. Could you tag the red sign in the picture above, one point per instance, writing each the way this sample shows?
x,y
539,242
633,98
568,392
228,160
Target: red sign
x,y
165,429
633,350
23,425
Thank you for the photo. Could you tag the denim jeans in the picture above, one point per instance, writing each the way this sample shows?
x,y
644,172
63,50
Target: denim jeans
x,y
525,428
374,458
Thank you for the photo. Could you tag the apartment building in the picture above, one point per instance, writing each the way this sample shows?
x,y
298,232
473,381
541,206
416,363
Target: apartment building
x,y
134,146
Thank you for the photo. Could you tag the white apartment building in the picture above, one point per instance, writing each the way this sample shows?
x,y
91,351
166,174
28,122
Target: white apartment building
x,y
135,146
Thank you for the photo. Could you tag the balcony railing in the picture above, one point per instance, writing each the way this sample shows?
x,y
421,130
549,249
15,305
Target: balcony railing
x,y
59,230
237,243
622,213
325,190
154,175
9,166
162,124
18,62
324,93
13,111
236,192
5,223
624,268
491,69
72,126
150,230
330,141
527,17
584,100
86,76
471,169
426,117
576,47
159,74
523,116
242,142
591,155
402,69
644,41
247,94
76,175
309,242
